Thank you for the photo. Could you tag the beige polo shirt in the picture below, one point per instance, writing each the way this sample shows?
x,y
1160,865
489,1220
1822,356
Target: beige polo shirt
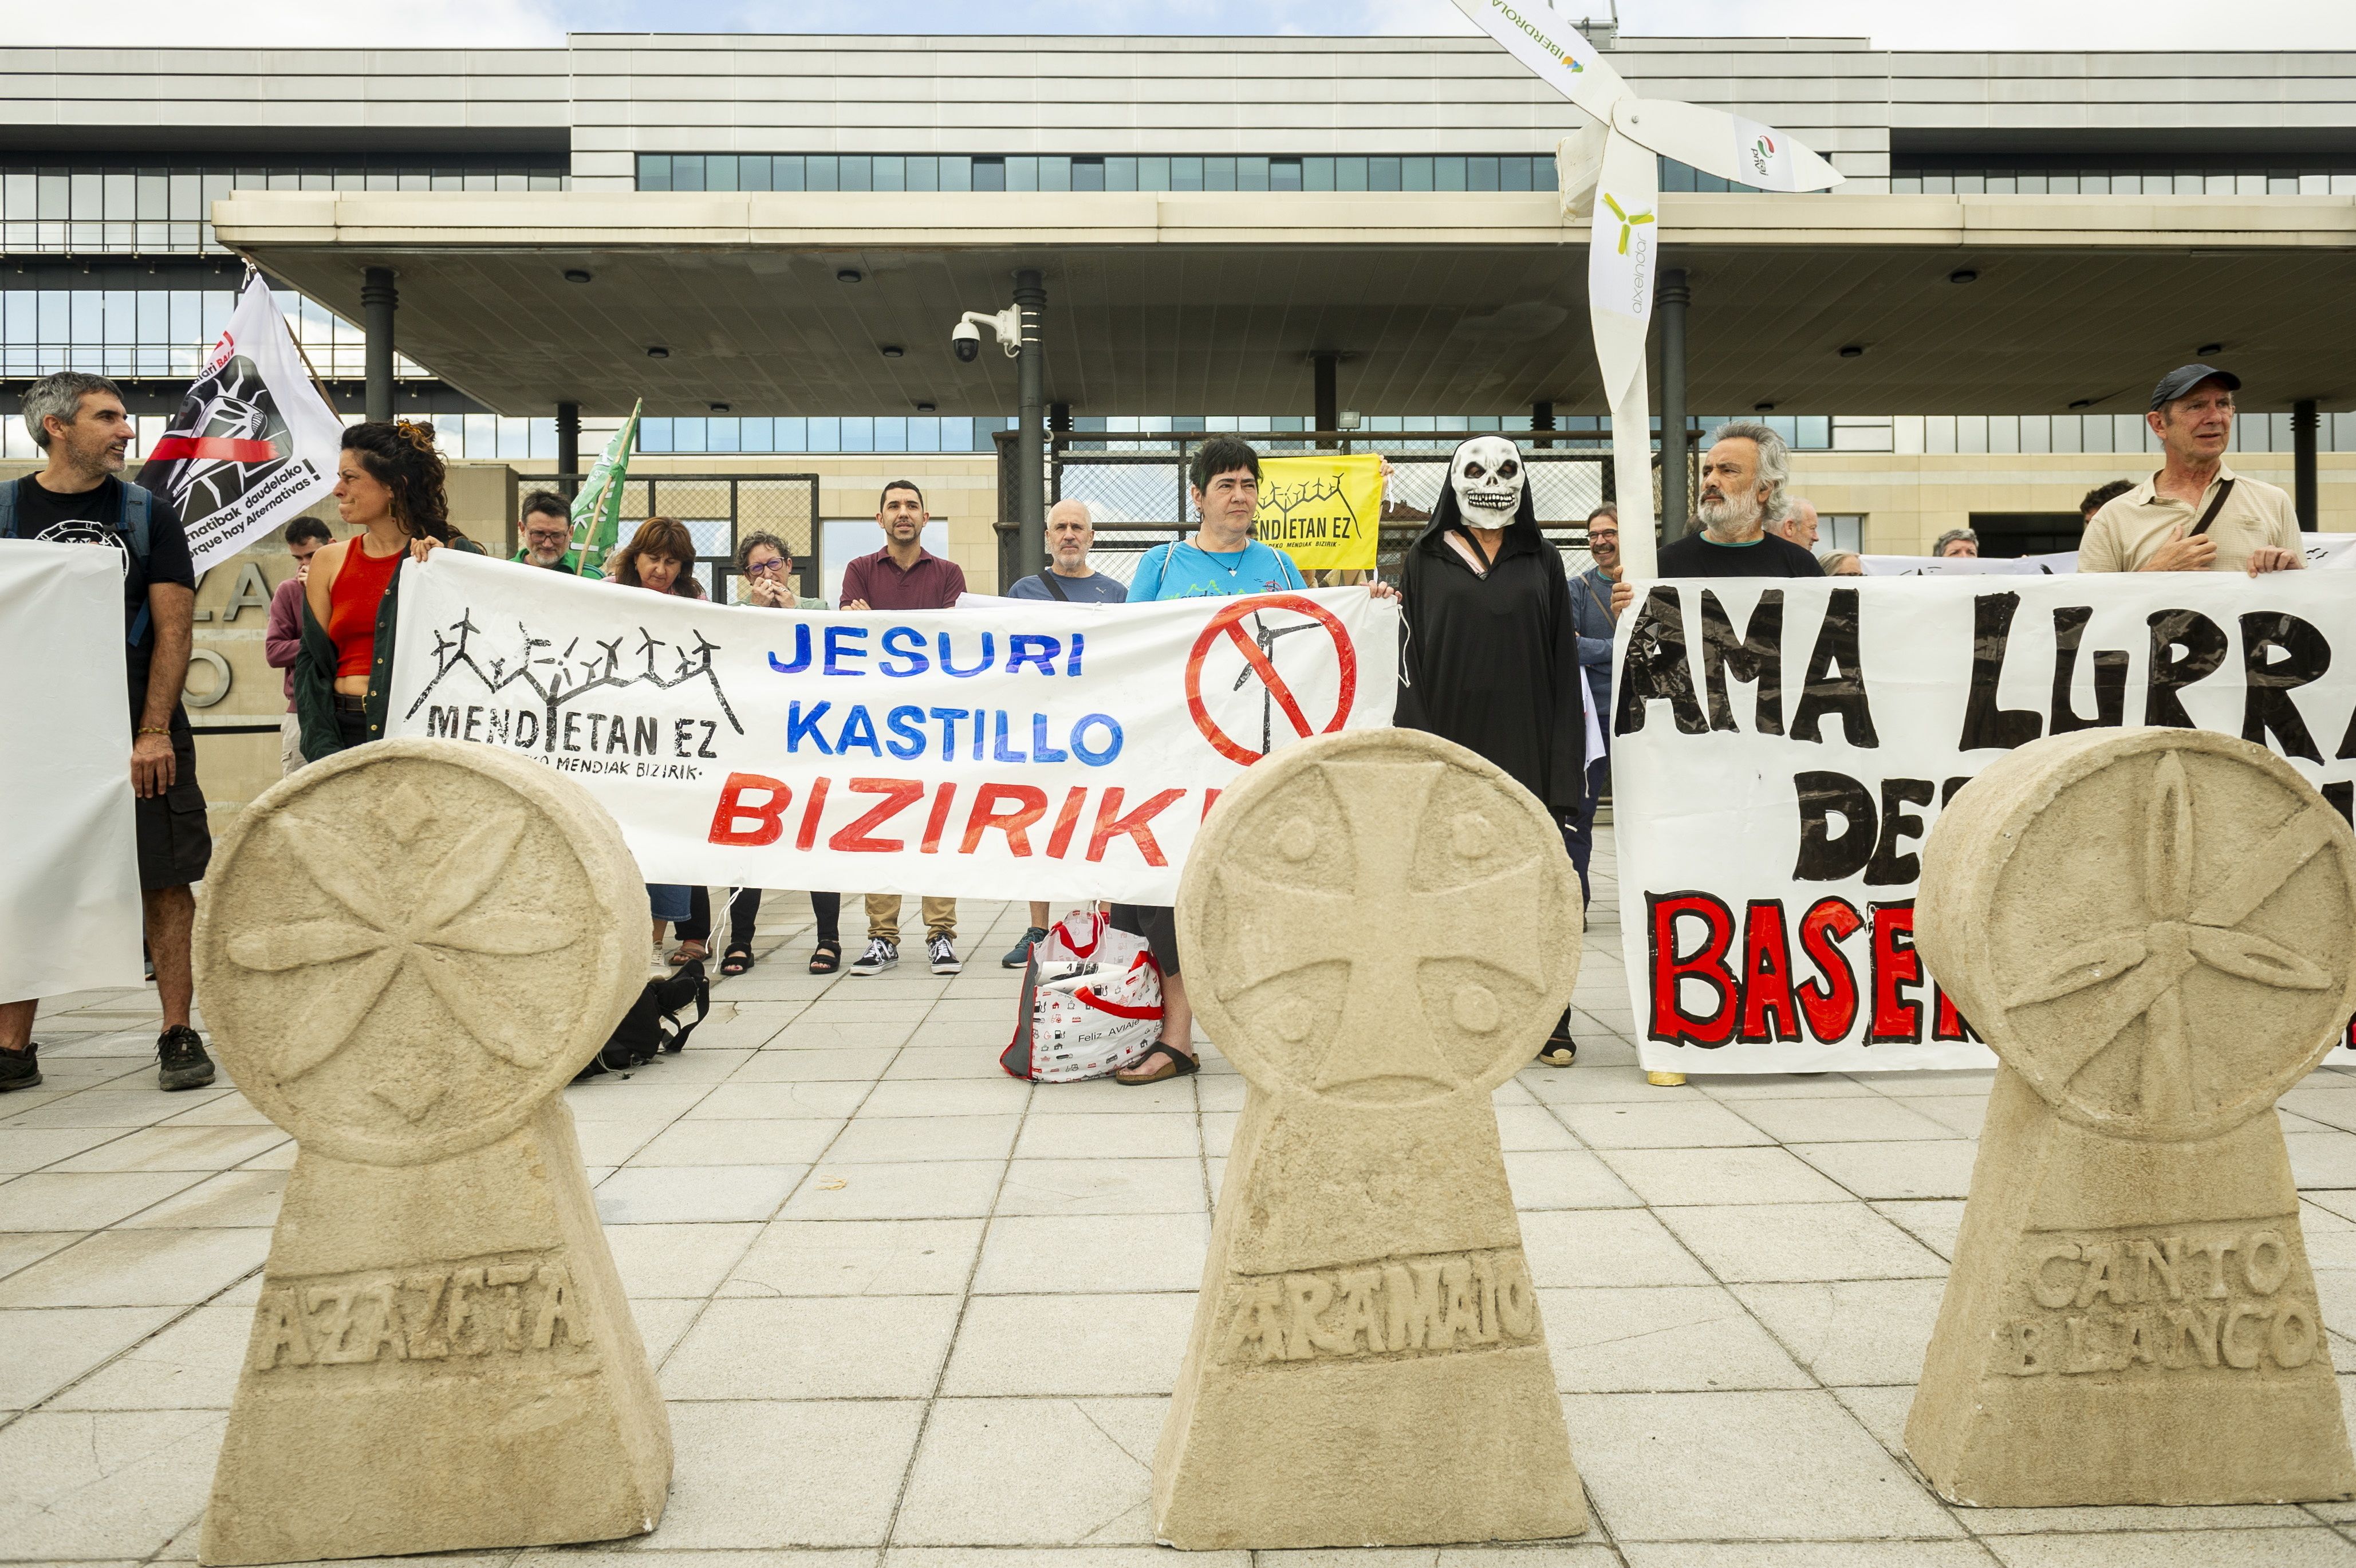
x,y
2130,528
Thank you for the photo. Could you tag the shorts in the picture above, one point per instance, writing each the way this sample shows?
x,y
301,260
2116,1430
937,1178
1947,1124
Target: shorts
x,y
1157,923
672,901
175,842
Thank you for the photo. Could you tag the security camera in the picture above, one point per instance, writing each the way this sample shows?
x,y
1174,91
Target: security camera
x,y
1006,326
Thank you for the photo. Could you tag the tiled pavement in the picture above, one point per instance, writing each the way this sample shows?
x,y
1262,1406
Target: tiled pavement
x,y
911,1314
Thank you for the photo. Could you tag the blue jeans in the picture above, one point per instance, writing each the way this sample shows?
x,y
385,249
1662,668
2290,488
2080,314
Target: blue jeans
x,y
671,901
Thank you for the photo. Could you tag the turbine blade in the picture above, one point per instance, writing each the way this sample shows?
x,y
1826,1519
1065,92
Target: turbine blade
x,y
1623,252
1552,50
1727,145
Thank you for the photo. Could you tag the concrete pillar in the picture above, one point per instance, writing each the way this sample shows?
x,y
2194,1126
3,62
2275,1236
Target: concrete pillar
x,y
1677,503
568,447
2302,446
1324,373
1031,450
1541,418
377,298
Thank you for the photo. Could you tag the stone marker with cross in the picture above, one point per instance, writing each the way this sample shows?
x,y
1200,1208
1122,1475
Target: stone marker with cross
x,y
1379,927
2155,929
405,953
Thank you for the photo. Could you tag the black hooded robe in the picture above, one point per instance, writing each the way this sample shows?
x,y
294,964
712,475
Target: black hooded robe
x,y
1492,661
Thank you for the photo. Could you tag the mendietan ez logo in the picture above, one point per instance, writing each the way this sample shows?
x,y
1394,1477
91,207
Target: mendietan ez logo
x,y
1535,37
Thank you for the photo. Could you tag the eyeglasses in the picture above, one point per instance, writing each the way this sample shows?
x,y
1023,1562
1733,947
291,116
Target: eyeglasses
x,y
547,536
767,568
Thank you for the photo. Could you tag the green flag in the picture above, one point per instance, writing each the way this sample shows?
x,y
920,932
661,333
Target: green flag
x,y
597,510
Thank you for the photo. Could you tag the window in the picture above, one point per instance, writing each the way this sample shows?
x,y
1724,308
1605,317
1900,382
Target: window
x,y
1840,530
1023,171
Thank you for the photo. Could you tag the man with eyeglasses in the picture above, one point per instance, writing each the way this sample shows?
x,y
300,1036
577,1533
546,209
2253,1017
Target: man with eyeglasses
x,y
547,530
2195,514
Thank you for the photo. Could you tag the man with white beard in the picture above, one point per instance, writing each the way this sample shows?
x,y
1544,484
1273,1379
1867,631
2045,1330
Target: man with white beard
x,y
1743,500
1742,497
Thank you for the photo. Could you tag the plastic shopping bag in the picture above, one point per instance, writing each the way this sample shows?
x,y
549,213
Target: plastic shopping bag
x,y
1091,1004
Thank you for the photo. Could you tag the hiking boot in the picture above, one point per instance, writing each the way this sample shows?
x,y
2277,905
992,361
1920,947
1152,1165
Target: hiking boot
x,y
1019,953
943,952
880,956
18,1069
184,1064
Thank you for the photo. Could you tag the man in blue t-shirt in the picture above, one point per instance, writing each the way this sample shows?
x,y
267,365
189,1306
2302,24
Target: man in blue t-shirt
x,y
1071,534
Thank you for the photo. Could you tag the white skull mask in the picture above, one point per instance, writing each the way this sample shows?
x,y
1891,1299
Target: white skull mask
x,y
1487,477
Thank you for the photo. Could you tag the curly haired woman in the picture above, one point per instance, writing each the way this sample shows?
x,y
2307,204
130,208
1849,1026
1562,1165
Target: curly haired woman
x,y
390,484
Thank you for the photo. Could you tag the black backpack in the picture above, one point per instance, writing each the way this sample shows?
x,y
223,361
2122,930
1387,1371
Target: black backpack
x,y
651,1026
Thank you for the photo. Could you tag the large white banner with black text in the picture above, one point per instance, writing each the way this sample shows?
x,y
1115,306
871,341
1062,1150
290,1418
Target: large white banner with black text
x,y
1020,749
1779,749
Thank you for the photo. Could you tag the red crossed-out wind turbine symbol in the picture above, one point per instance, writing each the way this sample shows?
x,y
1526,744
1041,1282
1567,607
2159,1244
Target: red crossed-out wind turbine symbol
x,y
1257,649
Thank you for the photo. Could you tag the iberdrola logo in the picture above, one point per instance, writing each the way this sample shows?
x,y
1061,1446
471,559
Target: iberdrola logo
x,y
1574,65
1628,221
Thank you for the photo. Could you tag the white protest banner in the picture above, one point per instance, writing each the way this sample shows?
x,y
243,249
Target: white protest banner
x,y
68,861
254,442
1780,750
2064,562
1025,749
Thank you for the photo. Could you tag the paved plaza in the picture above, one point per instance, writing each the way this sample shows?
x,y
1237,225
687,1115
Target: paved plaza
x,y
910,1313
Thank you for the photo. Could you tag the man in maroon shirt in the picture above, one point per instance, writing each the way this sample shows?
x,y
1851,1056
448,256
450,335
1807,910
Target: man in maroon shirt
x,y
903,576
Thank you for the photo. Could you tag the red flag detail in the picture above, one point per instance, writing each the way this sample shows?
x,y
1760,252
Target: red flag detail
x,y
174,449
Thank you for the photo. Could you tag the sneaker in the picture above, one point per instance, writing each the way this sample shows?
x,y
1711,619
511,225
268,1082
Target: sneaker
x,y
943,952
1019,953
880,956
19,1070
182,1056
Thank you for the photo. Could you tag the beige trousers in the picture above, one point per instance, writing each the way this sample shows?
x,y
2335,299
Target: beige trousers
x,y
290,746
883,916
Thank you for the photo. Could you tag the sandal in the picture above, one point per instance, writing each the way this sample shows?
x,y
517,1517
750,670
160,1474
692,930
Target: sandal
x,y
691,950
1179,1065
1560,1049
826,958
736,960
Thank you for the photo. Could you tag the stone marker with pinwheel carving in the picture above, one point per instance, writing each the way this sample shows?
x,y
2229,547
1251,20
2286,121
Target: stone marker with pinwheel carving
x,y
2155,929
1379,927
405,954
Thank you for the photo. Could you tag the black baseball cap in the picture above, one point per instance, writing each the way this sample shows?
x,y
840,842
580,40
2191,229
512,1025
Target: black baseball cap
x,y
2184,378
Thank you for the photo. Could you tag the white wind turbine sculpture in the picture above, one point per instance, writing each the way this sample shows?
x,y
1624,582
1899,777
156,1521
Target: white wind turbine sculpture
x,y
1610,168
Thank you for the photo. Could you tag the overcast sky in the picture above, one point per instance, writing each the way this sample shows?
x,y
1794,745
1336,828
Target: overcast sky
x,y
1980,24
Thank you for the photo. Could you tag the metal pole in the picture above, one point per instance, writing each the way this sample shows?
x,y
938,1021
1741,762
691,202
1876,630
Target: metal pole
x,y
2302,446
1031,451
1328,394
378,297
1541,418
1676,505
568,448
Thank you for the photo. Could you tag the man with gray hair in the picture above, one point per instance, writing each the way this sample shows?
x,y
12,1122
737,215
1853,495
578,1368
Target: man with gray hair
x,y
84,432
1799,524
1959,543
1742,499
1743,476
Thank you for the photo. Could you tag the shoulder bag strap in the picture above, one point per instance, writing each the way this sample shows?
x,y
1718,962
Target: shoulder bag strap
x,y
1054,588
137,505
2216,507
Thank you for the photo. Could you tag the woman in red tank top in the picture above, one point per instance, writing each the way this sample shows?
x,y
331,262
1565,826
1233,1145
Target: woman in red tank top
x,y
390,486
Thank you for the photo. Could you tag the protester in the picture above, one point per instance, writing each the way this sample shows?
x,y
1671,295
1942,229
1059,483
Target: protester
x,y
1959,543
2195,514
764,570
547,530
2098,498
389,484
1742,480
1069,579
1844,563
903,576
1590,612
1222,558
1743,476
283,641
1490,654
77,422
1799,524
660,555
660,558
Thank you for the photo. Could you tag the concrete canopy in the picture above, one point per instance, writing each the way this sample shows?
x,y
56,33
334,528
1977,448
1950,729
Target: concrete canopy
x,y
1440,303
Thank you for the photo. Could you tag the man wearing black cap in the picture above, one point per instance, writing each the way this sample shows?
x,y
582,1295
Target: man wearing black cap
x,y
2195,514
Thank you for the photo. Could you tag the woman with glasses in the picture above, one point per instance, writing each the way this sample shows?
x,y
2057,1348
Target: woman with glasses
x,y
764,570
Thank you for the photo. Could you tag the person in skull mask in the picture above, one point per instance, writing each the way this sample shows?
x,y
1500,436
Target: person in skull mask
x,y
1490,651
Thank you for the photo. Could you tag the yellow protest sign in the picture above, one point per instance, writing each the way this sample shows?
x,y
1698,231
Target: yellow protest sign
x,y
1323,511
